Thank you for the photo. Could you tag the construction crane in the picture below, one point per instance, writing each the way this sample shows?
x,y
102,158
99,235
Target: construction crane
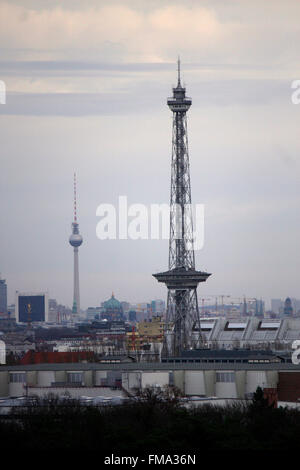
x,y
222,296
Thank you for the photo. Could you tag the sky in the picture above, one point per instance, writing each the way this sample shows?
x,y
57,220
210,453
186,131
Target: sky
x,y
86,89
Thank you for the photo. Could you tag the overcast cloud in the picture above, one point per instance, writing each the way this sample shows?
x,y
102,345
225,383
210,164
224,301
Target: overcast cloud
x,y
87,84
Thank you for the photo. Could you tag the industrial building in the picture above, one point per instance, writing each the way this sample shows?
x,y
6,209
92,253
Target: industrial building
x,y
250,332
223,380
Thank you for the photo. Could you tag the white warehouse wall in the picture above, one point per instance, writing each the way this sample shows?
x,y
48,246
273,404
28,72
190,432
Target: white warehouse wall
x,y
255,379
99,375
226,389
150,379
194,383
45,378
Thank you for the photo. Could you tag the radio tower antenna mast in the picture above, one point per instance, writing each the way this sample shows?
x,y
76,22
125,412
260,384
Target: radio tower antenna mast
x,y
75,240
182,330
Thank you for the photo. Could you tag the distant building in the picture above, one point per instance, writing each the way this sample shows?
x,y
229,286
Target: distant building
x,y
93,313
3,296
132,315
112,309
152,330
276,305
244,309
146,333
31,307
125,306
288,308
52,316
11,311
46,357
259,308
158,307
2,352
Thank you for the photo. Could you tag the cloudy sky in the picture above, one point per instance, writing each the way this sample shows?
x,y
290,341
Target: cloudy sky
x,y
87,83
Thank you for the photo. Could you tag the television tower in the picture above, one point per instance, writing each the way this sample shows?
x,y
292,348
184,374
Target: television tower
x,y
75,240
182,329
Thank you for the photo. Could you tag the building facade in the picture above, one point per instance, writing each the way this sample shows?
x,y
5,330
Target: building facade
x,y
3,296
223,380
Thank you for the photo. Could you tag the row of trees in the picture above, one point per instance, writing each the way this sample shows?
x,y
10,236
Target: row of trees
x,y
154,422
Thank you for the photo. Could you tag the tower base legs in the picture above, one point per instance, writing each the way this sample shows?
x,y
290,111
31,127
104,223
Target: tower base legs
x,y
182,329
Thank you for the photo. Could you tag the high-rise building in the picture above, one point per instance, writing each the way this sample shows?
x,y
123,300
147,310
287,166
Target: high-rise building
x,y
125,306
183,330
132,315
288,308
75,240
158,306
3,296
259,308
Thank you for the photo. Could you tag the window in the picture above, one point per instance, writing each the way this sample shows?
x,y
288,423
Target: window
x,y
225,377
17,377
75,377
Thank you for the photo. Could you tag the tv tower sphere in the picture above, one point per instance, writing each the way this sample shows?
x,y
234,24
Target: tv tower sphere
x,y
75,239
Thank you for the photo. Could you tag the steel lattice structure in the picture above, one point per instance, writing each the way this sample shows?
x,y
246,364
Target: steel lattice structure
x,y
183,329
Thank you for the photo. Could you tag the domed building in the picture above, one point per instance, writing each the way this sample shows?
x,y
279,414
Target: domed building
x,y
113,309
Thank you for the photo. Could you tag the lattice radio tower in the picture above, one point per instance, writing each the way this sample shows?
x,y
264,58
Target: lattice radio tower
x,y
183,329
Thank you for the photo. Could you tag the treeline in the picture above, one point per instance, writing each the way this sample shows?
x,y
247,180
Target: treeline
x,y
153,423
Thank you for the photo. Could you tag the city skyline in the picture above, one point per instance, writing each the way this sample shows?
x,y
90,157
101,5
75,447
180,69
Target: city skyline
x,y
95,110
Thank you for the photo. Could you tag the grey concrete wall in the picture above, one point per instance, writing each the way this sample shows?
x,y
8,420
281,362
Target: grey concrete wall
x,y
4,383
195,383
179,381
60,376
88,378
210,382
240,378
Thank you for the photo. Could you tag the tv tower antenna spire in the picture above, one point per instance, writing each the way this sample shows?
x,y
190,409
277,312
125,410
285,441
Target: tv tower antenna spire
x,y
183,329
178,71
75,197
75,240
